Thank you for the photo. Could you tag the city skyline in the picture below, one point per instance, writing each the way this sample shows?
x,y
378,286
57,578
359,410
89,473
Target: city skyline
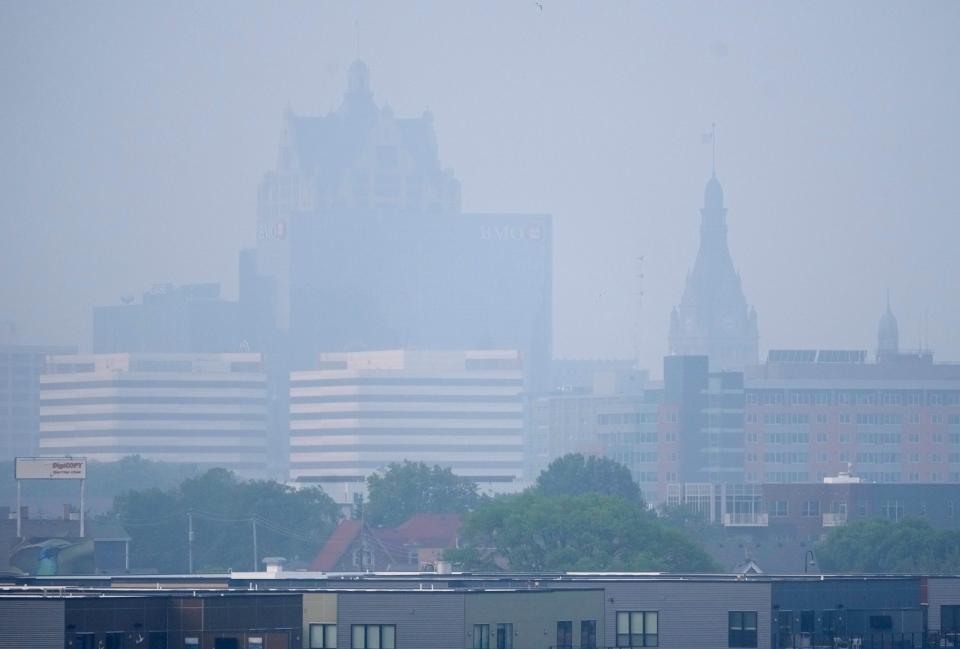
x,y
867,207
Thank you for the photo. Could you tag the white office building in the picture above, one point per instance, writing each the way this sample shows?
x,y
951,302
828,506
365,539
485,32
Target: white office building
x,y
208,409
360,411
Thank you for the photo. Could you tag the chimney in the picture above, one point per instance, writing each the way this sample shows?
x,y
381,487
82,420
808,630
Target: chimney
x,y
274,565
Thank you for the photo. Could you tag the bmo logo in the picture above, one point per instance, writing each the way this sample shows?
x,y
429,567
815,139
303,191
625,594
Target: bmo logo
x,y
275,231
511,233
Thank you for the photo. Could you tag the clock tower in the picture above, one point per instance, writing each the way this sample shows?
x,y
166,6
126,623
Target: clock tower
x,y
713,318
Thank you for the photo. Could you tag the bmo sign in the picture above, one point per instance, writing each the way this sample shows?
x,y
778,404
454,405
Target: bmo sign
x,y
51,468
511,233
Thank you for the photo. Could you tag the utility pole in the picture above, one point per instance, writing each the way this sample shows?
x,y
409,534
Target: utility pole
x,y
190,542
255,553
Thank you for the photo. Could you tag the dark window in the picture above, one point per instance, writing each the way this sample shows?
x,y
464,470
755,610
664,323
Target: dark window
x,y
806,621
565,634
637,628
505,636
226,643
157,640
881,622
588,634
481,636
323,636
84,641
742,631
950,619
113,640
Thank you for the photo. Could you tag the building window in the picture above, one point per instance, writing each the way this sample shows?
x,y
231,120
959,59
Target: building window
x,y
950,620
588,634
637,629
881,623
565,635
84,641
742,629
157,640
113,640
481,636
323,636
505,636
810,508
778,508
376,636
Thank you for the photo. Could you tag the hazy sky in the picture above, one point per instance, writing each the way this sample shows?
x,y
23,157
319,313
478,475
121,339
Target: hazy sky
x,y
133,136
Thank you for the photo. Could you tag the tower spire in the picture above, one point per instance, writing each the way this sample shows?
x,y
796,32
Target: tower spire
x,y
713,140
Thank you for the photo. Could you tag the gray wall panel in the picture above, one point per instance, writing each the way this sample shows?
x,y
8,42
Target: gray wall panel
x,y
424,619
940,591
692,614
31,624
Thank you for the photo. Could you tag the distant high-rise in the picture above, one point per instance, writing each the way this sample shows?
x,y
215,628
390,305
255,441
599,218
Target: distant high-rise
x,y
888,336
361,244
713,318
208,409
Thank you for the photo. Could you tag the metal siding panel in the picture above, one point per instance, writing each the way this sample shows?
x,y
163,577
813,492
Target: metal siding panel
x,y
940,591
31,624
424,620
692,615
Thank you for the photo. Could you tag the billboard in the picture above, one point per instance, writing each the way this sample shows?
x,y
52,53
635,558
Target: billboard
x,y
51,468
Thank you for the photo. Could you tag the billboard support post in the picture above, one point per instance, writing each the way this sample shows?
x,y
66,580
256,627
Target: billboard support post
x,y
18,509
83,482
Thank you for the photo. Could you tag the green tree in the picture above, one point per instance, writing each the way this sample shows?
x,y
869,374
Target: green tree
x,y
574,474
533,531
293,523
413,487
880,546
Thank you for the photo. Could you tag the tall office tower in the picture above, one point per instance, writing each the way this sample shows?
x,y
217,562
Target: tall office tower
x,y
20,368
703,412
208,409
358,412
181,319
713,318
361,244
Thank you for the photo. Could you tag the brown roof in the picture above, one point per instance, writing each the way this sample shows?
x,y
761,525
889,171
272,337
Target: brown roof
x,y
335,546
420,530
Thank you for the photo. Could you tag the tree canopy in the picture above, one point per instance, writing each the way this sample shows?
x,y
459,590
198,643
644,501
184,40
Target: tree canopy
x,y
574,474
293,523
539,532
413,487
878,545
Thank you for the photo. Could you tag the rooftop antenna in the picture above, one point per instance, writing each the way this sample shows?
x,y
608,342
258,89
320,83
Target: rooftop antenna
x,y
639,310
356,32
711,138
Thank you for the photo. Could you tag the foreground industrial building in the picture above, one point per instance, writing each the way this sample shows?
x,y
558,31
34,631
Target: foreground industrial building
x,y
278,610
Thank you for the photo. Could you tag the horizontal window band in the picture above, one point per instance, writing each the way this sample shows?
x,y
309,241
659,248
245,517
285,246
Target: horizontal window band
x,y
155,416
360,431
184,400
259,450
376,414
373,464
149,432
81,384
408,398
433,448
320,383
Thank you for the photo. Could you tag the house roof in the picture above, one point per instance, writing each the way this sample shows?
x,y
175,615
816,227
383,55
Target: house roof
x,y
336,545
420,530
